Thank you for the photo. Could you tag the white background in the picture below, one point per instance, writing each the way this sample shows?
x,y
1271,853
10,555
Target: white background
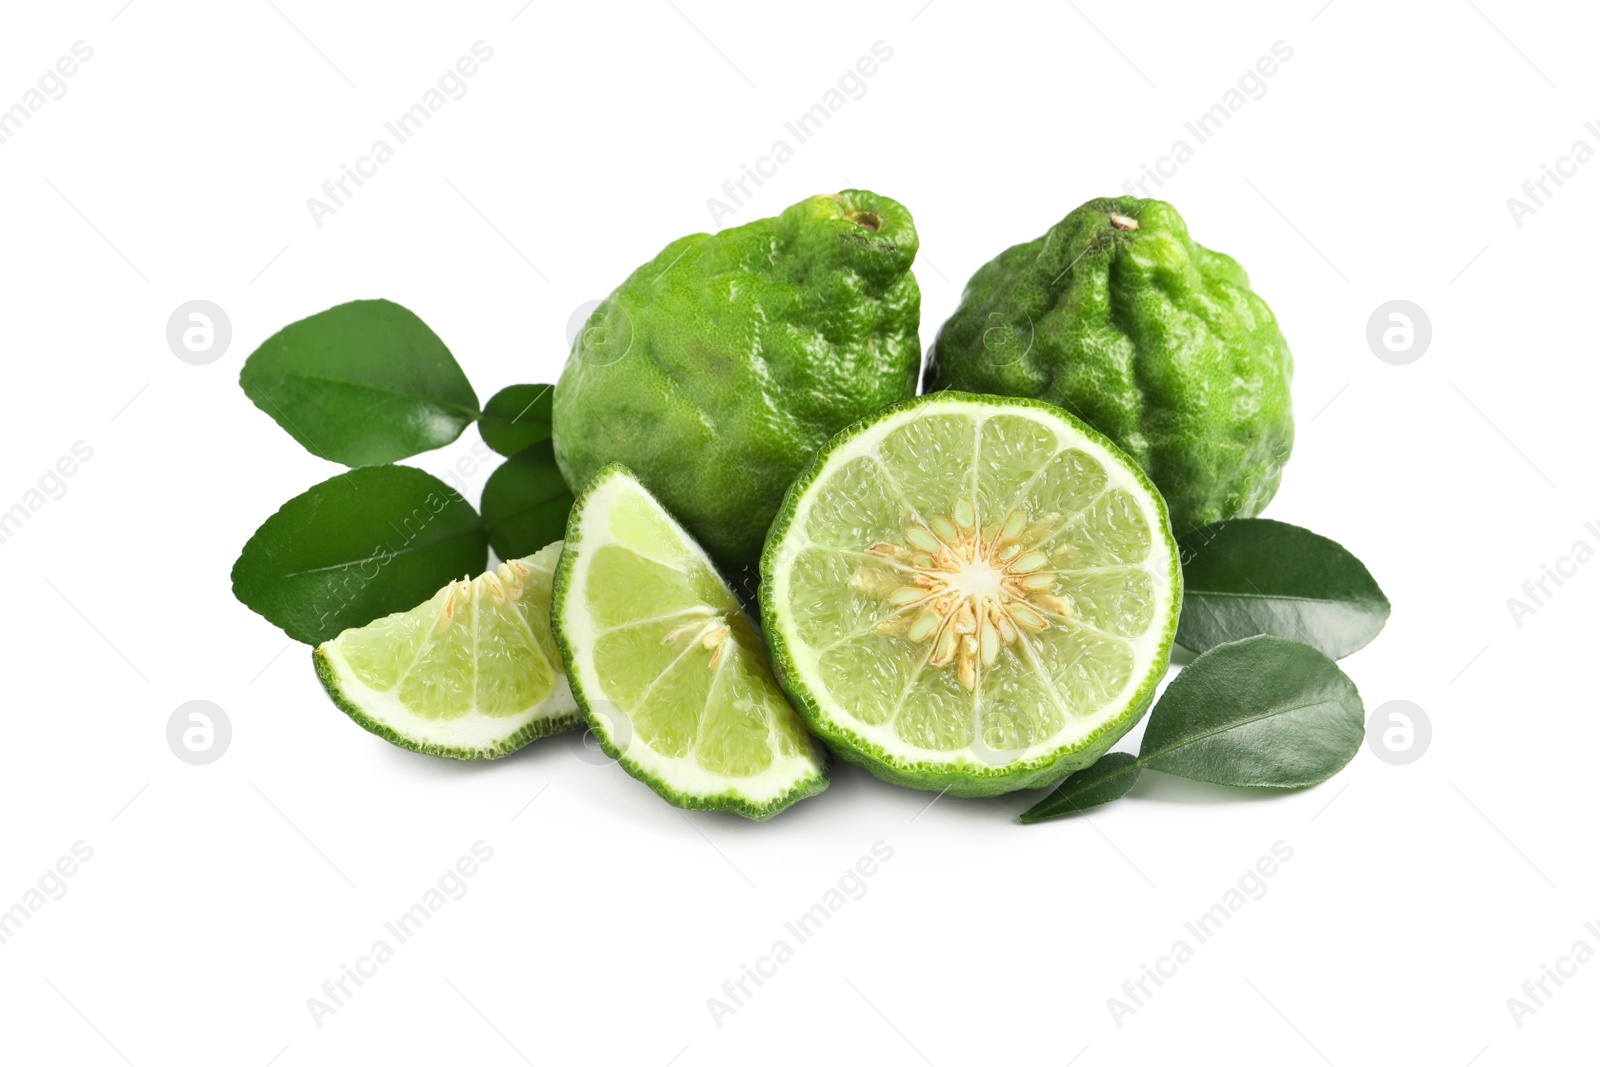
x,y
219,898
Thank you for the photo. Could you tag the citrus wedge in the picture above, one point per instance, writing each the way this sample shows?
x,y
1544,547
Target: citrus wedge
x,y
471,674
669,672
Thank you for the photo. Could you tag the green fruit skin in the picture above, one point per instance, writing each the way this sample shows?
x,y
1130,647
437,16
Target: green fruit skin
x,y
1150,338
717,369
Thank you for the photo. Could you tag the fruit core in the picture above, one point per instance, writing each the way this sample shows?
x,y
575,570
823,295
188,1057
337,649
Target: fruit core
x,y
709,631
506,582
968,590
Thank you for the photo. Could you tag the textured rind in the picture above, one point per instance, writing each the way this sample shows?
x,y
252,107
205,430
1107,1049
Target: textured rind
x,y
730,801
966,781
531,732
715,370
1152,339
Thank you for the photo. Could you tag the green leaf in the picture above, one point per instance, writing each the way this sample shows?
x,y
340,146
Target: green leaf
x,y
1259,712
1106,780
1262,711
1256,576
516,417
526,502
361,545
364,382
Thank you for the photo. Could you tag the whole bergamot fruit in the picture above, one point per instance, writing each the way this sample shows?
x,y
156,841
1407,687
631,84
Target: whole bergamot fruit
x,y
718,368
1119,317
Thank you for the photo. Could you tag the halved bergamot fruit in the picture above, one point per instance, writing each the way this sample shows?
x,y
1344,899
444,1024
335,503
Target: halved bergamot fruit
x,y
971,594
471,674
670,674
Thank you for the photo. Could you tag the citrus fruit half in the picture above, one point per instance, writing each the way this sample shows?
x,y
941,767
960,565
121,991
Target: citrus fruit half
x,y
473,673
670,675
971,594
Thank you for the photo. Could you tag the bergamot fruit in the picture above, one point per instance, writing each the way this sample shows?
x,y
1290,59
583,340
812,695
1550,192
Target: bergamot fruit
x,y
717,369
971,594
473,673
671,676
1119,317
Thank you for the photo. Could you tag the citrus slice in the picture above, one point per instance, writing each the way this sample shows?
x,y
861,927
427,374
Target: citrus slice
x,y
471,674
971,594
669,672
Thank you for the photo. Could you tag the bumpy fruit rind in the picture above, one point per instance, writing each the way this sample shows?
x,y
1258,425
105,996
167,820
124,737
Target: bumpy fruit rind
x,y
1117,316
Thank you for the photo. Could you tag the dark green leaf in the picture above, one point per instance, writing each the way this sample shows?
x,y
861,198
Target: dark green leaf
x,y
1262,711
1256,576
1100,783
360,545
516,417
364,382
525,503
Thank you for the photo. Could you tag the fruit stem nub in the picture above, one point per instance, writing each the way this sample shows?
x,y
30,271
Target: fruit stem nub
x,y
867,220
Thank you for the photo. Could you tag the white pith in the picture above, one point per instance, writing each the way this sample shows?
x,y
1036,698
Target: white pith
x,y
472,730
683,774
976,576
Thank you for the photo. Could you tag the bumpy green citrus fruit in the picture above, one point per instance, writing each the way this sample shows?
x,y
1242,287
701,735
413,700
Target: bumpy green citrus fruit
x,y
971,594
1119,317
719,367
